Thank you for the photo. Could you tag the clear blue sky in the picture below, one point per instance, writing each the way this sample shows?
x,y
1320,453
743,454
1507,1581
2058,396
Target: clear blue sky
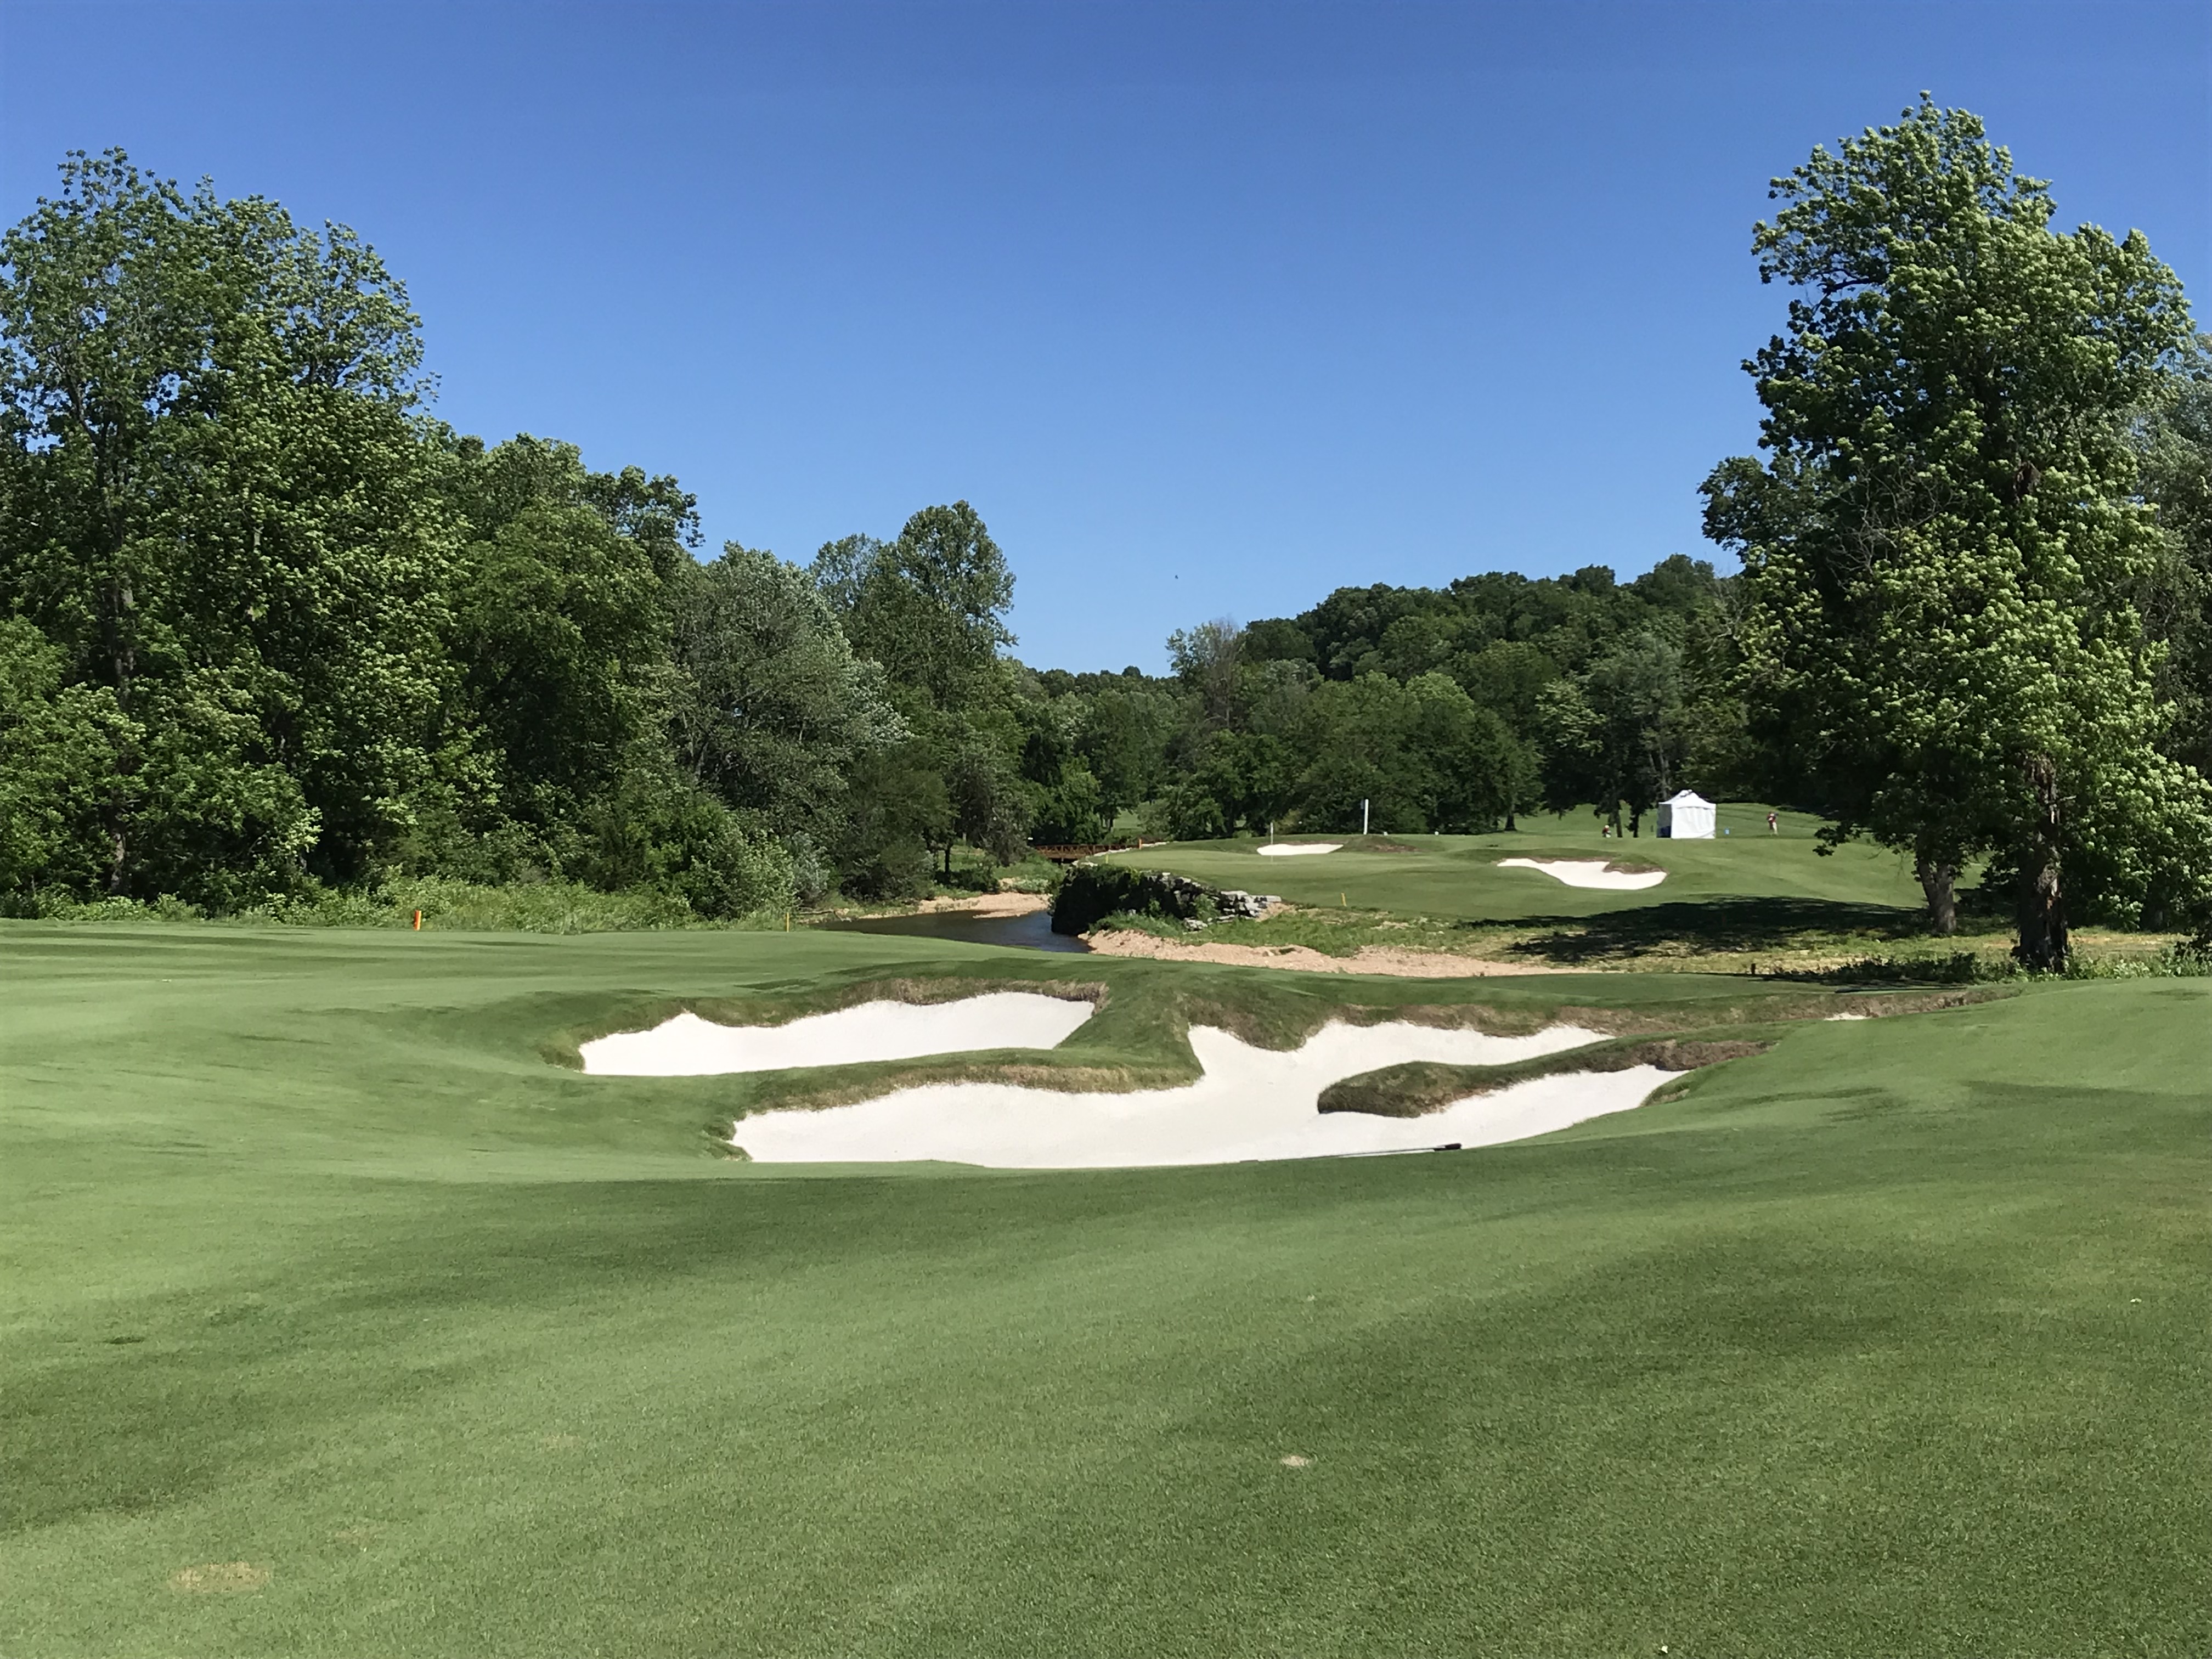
x,y
1209,308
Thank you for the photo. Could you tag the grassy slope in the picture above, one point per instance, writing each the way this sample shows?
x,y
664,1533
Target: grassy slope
x,y
1890,1340
1457,876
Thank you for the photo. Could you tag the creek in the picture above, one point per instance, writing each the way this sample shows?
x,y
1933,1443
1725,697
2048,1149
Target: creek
x,y
1032,931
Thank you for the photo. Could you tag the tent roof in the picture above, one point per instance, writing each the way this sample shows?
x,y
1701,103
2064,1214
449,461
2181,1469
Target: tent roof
x,y
1687,796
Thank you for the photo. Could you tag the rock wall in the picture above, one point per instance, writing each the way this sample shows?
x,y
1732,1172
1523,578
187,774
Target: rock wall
x,y
1091,892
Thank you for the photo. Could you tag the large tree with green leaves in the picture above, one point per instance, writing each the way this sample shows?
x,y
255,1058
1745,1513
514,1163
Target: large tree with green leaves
x,y
1615,735
582,634
561,640
216,504
929,606
1941,542
2175,438
773,709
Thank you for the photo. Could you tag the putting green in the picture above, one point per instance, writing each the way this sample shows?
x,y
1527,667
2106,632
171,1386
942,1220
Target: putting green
x,y
1458,876
337,1319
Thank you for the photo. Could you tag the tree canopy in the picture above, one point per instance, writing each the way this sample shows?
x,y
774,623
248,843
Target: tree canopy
x,y
268,627
1943,546
217,507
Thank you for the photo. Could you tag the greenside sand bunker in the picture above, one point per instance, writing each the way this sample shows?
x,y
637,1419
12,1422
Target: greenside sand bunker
x,y
688,1046
1251,1103
1587,872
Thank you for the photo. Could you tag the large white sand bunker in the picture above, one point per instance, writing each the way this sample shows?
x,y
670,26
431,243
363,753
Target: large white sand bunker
x,y
688,1046
1250,1104
1586,873
1294,849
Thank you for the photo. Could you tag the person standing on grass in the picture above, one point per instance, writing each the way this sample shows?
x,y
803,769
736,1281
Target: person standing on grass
x,y
1773,825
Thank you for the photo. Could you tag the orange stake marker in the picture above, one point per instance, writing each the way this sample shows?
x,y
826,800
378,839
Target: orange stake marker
x,y
418,921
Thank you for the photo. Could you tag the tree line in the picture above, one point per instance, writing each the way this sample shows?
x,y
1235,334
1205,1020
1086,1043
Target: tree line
x,y
1973,619
1425,710
268,627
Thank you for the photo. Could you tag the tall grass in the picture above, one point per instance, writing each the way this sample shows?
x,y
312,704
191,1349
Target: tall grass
x,y
544,907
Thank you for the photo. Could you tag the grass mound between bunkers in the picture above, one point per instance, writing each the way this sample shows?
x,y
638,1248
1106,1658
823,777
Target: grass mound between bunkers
x,y
340,1316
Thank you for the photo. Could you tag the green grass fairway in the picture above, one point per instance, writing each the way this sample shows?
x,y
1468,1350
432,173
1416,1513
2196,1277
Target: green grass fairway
x,y
1458,877
320,1282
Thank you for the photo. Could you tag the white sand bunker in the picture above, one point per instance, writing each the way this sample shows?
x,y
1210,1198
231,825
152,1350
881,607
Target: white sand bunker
x,y
688,1046
1586,873
1251,1103
1292,849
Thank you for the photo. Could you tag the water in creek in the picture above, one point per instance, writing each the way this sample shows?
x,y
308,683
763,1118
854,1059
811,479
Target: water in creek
x,y
1032,931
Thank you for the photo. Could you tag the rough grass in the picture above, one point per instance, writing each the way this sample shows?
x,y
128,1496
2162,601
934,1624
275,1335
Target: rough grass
x,y
550,906
1812,939
1888,1339
1419,1088
445,904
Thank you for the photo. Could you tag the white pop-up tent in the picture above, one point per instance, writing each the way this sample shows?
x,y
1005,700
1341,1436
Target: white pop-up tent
x,y
1688,817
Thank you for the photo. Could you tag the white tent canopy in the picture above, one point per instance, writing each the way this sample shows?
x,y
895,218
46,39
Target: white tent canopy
x,y
1688,817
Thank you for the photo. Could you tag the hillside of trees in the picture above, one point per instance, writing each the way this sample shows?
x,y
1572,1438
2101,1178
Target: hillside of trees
x,y
269,629
1452,709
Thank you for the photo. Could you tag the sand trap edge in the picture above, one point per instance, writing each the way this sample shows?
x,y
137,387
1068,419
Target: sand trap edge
x,y
1420,1088
1246,1106
1593,875
882,1030
562,1049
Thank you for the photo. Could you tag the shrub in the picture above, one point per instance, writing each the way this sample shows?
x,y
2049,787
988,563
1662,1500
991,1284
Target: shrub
x,y
1091,892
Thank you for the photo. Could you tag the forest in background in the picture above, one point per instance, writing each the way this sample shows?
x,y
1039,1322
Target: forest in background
x,y
270,631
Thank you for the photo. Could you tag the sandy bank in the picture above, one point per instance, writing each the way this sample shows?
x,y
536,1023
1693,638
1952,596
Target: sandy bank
x,y
989,904
1303,959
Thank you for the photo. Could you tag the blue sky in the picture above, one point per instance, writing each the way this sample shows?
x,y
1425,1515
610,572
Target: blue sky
x,y
1209,308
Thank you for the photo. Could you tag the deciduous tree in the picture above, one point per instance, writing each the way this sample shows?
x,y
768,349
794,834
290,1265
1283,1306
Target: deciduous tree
x,y
773,709
1942,542
216,503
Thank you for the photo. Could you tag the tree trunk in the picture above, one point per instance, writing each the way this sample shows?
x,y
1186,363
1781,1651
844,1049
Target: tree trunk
x,y
1937,879
2043,943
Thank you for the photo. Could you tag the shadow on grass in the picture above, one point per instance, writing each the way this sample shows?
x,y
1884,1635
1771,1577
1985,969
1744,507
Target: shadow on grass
x,y
1733,925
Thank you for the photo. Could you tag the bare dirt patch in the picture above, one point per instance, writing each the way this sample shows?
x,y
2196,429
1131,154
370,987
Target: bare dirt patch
x,y
218,1577
1301,958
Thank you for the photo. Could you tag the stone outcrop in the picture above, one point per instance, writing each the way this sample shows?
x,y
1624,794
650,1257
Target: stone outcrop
x,y
1091,892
